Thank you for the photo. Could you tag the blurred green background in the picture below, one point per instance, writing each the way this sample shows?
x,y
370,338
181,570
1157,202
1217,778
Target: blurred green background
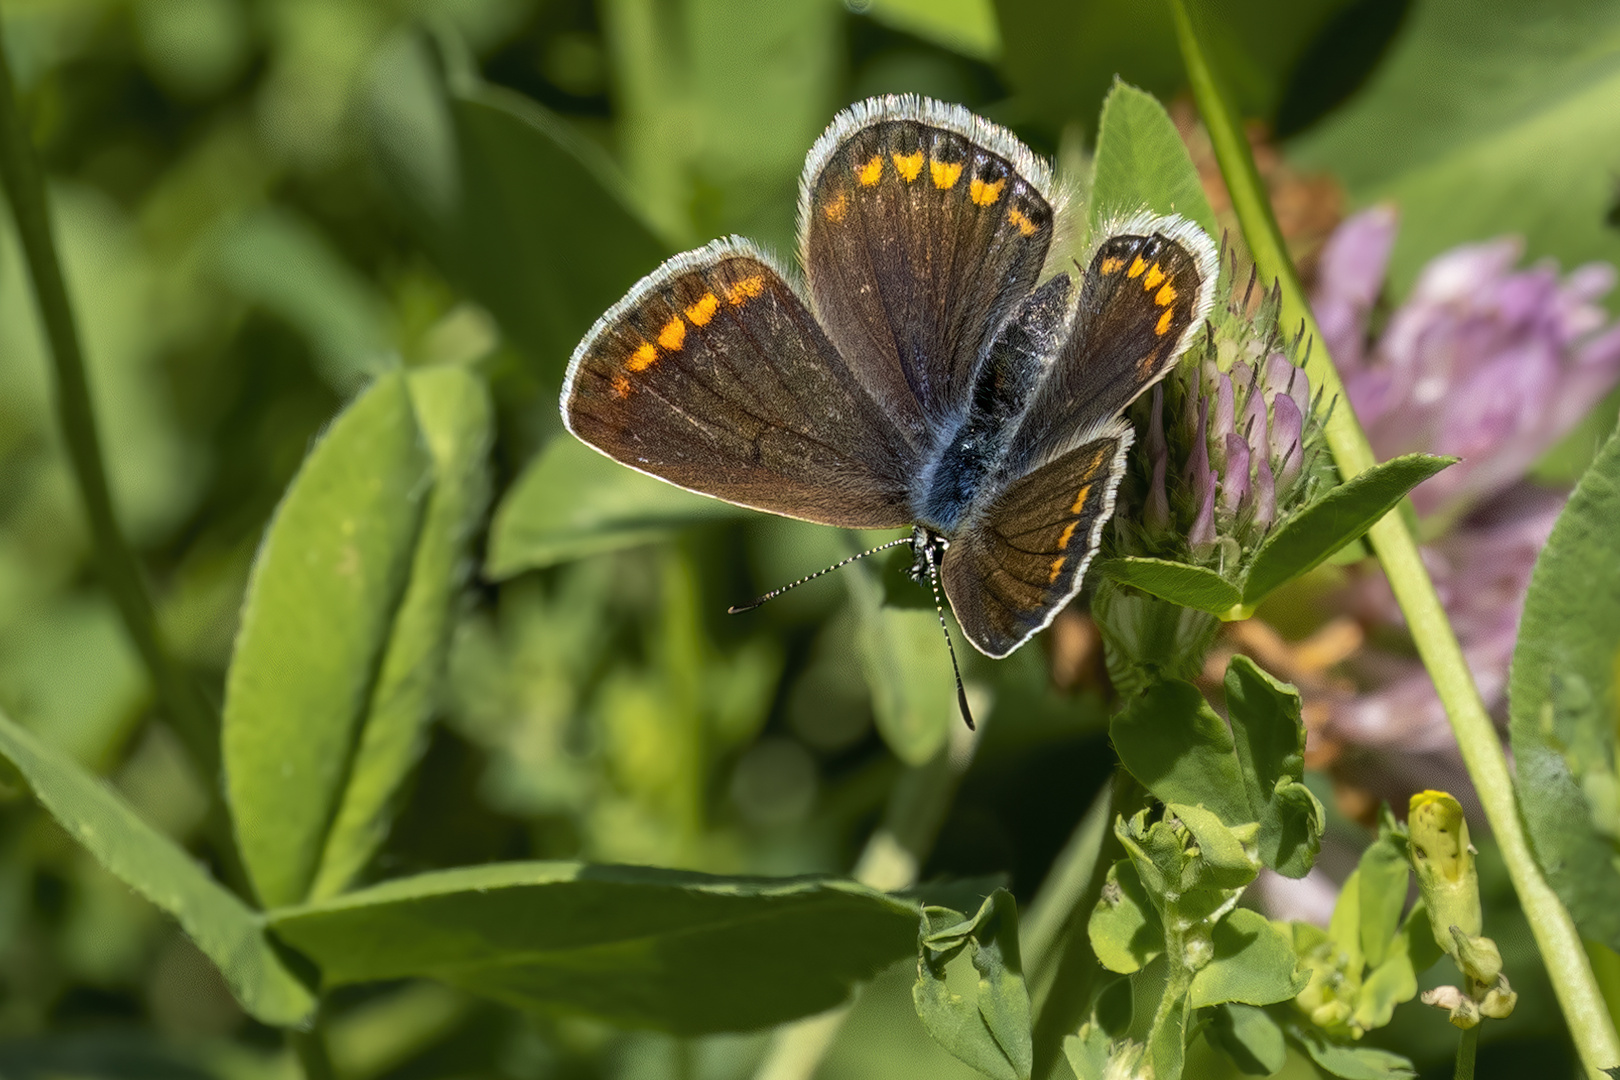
x,y
261,203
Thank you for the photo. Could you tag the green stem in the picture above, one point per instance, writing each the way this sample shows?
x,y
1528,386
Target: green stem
x,y
1466,1048
120,572
1556,936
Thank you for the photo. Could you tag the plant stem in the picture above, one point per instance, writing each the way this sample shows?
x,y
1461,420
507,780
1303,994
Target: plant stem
x,y
1560,944
1466,1048
890,861
188,712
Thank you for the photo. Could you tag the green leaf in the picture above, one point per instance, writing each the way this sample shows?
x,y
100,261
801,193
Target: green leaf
x,y
1343,514
321,605
516,208
1564,699
908,670
685,952
1190,586
1254,963
1124,927
226,930
1175,744
571,502
1270,743
1458,124
1383,880
1142,163
1350,1062
992,1032
453,411
1222,861
1249,1037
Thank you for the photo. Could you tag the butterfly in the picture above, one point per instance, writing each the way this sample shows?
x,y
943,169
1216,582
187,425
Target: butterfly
x,y
922,374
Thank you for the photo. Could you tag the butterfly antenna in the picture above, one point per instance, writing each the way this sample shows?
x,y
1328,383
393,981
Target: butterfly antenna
x,y
774,593
939,609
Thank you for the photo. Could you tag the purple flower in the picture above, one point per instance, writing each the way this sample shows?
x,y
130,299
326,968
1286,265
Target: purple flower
x,y
1489,363
1483,361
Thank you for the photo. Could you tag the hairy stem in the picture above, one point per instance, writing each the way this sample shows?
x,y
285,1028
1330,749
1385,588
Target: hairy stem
x,y
187,711
1560,944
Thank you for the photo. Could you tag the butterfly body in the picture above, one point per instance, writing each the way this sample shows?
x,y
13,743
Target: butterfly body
x,y
922,378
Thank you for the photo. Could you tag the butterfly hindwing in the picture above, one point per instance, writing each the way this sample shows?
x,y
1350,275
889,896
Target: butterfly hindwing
x,y
1143,295
920,227
1024,555
713,375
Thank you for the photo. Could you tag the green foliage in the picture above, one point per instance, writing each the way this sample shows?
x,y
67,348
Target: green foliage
x,y
685,952
1340,517
571,502
225,929
991,1031
1565,698
260,211
1181,750
1141,163
505,196
321,608
1462,124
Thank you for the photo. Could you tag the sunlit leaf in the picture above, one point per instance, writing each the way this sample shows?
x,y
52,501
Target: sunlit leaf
x,y
685,952
1180,749
1565,703
1180,583
1249,1037
321,606
1142,164
453,411
1302,542
1350,1062
226,930
1125,930
1254,963
991,1032
1270,742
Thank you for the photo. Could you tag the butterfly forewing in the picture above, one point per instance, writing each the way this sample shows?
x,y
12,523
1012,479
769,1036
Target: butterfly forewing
x,y
1141,297
713,375
1025,555
920,227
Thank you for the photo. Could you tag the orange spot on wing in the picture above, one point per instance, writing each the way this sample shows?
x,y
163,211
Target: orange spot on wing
x,y
1167,295
984,194
1057,569
744,290
909,165
1136,268
945,174
1111,266
1154,276
1025,226
621,386
673,335
871,172
1068,534
643,358
1080,500
838,208
701,312
1164,322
